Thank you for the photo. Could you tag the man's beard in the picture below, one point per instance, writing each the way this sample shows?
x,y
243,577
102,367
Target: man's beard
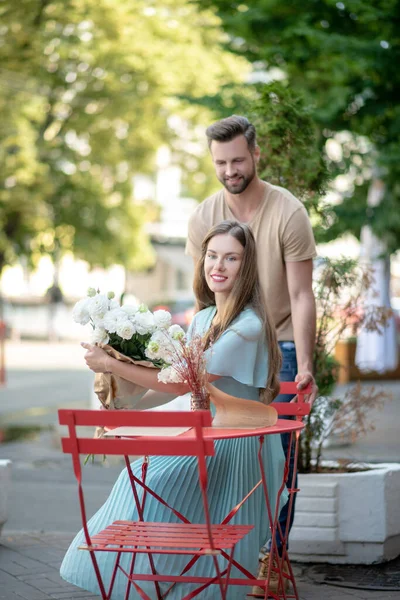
x,y
240,187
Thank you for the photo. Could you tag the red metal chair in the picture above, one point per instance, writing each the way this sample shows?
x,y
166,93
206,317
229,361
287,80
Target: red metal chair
x,y
280,563
136,537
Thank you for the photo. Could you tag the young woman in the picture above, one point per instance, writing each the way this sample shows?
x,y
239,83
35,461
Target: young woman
x,y
243,362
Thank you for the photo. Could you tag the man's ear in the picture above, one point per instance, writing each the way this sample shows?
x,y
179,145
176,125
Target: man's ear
x,y
257,153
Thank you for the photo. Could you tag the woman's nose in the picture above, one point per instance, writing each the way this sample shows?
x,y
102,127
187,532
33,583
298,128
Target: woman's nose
x,y
220,264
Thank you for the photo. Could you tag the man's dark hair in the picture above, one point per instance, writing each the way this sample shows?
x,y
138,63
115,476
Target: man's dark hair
x,y
228,129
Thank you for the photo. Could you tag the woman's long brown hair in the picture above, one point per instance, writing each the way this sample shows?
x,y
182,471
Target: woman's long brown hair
x,y
246,291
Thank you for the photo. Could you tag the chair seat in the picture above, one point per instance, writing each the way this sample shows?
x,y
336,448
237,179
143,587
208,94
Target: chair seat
x,y
166,538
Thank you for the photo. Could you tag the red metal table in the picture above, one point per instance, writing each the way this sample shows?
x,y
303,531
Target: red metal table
x,y
293,428
279,563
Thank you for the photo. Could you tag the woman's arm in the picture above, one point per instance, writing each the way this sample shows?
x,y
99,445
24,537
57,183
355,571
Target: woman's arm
x,y
151,399
100,362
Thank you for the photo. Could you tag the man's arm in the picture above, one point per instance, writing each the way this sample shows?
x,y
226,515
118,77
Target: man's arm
x,y
302,302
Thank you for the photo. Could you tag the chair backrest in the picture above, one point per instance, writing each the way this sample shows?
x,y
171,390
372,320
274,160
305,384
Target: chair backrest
x,y
183,445
298,409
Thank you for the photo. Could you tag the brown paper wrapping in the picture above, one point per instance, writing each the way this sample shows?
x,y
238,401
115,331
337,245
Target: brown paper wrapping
x,y
114,392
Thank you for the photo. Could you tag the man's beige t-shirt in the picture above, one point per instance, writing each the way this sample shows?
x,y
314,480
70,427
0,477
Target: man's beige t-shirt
x,y
283,234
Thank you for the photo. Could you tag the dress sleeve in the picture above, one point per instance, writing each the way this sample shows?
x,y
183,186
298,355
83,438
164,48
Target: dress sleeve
x,y
241,353
194,325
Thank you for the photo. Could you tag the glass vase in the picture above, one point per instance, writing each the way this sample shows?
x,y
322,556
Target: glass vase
x,y
200,401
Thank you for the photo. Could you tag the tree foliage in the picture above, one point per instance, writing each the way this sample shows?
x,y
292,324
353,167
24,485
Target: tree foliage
x,y
289,139
343,57
87,89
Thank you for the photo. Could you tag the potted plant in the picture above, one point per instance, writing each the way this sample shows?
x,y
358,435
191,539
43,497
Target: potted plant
x,y
343,513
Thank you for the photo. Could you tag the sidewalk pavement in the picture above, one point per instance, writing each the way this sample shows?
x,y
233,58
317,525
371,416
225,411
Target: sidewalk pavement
x,y
29,570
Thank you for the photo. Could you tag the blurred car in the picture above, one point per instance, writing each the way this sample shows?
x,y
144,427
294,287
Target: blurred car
x,y
182,311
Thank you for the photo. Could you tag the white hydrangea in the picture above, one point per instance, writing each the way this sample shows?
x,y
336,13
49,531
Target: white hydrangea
x,y
162,319
176,332
126,329
98,306
113,318
169,375
99,336
144,322
80,312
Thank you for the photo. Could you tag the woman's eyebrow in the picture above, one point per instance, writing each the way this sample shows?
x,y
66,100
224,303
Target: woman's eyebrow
x,y
227,254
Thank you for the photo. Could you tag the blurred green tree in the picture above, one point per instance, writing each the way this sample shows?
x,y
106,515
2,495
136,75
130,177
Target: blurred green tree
x,y
343,57
87,89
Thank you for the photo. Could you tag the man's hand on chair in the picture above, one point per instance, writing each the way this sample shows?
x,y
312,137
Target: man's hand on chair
x,y
303,380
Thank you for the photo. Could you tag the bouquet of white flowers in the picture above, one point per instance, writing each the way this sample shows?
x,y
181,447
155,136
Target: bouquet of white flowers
x,y
124,332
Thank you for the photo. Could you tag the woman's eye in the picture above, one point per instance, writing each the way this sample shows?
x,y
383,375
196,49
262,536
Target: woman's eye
x,y
232,258
211,256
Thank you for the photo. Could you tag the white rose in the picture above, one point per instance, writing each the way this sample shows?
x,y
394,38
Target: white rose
x,y
99,336
169,375
153,350
98,306
160,336
144,322
130,309
112,304
176,332
162,319
80,312
126,329
161,347
113,318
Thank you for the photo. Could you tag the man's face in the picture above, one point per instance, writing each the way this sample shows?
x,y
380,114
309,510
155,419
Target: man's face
x,y
235,165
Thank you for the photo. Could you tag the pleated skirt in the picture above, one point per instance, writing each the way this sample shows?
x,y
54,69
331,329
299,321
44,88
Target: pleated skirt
x,y
232,473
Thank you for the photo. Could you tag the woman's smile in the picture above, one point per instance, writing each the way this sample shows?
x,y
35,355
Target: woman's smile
x,y
218,278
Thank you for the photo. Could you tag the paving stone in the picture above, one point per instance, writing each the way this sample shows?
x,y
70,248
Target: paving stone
x,y
79,594
46,585
10,595
23,590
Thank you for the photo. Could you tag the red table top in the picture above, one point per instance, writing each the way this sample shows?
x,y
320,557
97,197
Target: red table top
x,y
216,433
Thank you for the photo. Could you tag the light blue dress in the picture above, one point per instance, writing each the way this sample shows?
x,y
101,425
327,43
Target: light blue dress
x,y
239,356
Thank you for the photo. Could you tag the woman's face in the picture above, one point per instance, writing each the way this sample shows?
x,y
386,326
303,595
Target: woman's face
x,y
222,263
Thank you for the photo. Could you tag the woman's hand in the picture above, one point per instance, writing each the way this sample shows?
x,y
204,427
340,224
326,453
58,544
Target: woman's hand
x,y
96,359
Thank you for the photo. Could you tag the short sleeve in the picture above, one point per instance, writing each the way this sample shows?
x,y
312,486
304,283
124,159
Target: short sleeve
x,y
196,233
298,238
241,353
